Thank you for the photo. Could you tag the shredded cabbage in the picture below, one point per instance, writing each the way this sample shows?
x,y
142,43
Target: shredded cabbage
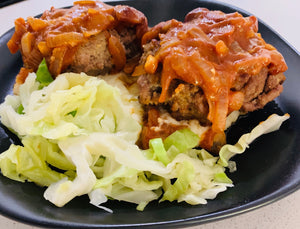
x,y
49,112
272,123
79,132
31,161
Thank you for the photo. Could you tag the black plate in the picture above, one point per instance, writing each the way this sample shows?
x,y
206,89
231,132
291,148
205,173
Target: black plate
x,y
268,171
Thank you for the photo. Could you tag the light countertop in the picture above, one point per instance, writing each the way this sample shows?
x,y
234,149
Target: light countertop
x,y
282,16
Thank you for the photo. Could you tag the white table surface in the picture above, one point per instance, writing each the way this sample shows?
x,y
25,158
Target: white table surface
x,y
281,15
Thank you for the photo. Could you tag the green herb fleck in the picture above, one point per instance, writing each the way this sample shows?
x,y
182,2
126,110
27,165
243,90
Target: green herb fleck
x,y
73,113
43,75
20,109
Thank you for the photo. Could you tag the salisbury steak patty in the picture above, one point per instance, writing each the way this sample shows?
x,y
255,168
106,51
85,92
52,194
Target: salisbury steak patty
x,y
90,37
206,68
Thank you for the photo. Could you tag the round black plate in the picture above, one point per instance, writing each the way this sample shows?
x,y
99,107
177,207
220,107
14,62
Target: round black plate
x,y
267,171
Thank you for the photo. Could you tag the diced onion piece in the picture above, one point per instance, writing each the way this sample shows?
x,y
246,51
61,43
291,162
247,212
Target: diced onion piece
x,y
221,48
131,64
236,100
139,70
92,11
34,59
84,3
117,52
44,49
68,38
159,28
270,47
98,20
20,29
69,56
90,33
128,14
20,79
179,88
56,60
37,24
27,41
151,64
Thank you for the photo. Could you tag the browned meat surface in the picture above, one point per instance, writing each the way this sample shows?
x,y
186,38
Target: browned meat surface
x,y
130,41
255,85
272,87
92,57
184,101
189,102
150,89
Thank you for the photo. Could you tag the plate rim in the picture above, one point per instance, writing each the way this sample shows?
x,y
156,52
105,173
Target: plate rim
x,y
215,216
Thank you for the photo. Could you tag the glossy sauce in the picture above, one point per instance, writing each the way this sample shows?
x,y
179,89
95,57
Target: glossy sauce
x,y
210,50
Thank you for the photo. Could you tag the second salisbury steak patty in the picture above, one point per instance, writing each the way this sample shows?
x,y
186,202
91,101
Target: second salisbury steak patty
x,y
205,68
90,37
